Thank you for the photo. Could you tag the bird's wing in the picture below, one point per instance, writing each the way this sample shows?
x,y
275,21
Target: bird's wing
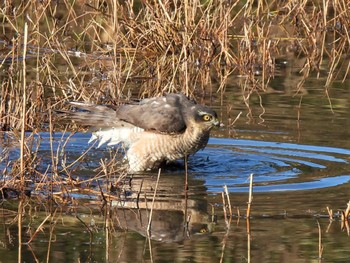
x,y
115,124
160,114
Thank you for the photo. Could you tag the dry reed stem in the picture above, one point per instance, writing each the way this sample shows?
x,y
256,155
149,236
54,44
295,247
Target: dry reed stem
x,y
250,199
224,243
227,196
149,242
224,208
186,217
51,239
320,247
347,211
248,240
330,213
20,225
24,106
345,225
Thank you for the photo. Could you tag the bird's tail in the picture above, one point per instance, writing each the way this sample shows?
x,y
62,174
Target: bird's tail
x,y
88,114
102,120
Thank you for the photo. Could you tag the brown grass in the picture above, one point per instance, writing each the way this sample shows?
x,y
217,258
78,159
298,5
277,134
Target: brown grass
x,y
108,50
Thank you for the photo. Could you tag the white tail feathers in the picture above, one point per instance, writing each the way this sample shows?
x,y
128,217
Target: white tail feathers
x,y
115,136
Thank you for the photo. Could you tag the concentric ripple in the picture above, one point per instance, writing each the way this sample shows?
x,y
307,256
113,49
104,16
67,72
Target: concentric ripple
x,y
276,166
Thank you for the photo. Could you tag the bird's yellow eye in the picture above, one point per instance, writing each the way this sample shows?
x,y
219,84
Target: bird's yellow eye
x,y
207,117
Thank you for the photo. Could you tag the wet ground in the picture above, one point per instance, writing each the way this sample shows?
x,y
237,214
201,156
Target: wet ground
x,y
300,166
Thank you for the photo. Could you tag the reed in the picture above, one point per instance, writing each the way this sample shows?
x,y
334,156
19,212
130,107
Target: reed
x,y
320,246
250,198
101,50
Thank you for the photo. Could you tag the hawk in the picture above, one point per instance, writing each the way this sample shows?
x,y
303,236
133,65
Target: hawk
x,y
154,130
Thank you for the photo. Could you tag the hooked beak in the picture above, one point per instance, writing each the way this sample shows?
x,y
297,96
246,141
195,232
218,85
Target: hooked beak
x,y
217,123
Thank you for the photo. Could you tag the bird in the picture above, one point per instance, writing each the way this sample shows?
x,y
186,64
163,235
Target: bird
x,y
153,131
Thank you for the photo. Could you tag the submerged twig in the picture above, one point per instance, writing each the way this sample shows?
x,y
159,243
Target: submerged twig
x,y
39,228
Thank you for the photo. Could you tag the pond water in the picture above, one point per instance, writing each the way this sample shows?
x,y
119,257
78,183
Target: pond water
x,y
299,154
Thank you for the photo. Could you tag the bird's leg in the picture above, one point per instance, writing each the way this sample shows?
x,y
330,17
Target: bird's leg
x,y
186,172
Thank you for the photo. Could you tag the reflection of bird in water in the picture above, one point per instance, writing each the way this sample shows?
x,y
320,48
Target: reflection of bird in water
x,y
155,130
176,216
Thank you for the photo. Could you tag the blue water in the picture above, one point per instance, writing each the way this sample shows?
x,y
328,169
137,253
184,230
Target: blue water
x,y
276,166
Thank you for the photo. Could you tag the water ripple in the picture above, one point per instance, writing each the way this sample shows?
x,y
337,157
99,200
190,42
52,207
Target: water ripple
x,y
276,166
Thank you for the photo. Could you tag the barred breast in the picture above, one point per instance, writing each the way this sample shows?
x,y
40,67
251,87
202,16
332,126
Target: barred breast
x,y
152,149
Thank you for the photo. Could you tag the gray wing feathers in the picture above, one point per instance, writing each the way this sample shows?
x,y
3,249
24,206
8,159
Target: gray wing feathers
x,y
162,114
115,124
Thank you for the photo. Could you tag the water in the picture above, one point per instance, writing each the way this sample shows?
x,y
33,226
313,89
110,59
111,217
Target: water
x,y
300,168
276,166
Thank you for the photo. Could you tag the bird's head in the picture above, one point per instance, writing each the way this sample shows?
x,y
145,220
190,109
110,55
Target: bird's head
x,y
205,117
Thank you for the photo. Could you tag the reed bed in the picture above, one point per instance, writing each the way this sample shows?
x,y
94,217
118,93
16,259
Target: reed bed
x,y
109,51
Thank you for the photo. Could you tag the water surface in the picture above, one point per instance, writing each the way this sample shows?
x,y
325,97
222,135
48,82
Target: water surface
x,y
300,167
